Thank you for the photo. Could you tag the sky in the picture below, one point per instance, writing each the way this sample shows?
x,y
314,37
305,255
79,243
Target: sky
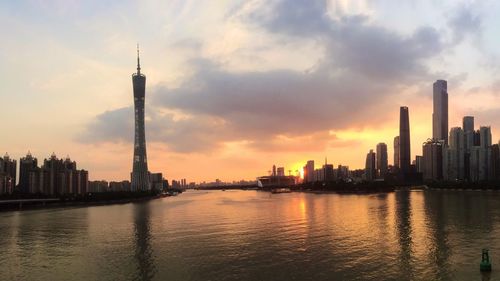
x,y
234,87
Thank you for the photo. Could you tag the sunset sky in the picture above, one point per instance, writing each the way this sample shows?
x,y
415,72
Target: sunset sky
x,y
234,87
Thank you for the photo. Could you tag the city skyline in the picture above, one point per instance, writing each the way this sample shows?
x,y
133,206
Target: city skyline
x,y
195,117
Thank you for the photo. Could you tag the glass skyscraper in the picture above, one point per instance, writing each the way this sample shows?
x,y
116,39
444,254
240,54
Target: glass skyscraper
x,y
440,111
404,140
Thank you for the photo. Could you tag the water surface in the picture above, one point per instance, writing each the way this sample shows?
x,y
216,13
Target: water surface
x,y
251,235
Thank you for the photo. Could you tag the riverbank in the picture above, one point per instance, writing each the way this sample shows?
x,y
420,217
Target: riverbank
x,y
18,202
341,187
451,185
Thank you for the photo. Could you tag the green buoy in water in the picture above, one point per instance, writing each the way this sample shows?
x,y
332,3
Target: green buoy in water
x,y
485,261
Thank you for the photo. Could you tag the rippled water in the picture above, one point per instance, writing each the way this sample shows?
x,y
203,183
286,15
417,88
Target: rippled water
x,y
251,235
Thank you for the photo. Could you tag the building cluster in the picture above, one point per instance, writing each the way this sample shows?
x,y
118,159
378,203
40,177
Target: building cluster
x,y
219,183
326,173
61,176
460,154
181,184
466,155
155,179
54,177
277,178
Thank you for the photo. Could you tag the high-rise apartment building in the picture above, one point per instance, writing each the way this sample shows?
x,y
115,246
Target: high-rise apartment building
x,y
370,169
433,160
381,160
396,152
309,171
26,165
8,173
454,156
468,128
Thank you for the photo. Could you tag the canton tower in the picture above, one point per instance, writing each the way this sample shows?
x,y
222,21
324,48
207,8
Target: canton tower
x,y
140,174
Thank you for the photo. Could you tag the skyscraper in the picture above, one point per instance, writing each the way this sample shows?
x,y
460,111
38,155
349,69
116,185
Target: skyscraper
x,y
454,156
480,156
381,159
309,171
370,171
26,165
139,175
468,123
396,151
440,113
495,161
433,160
468,127
404,140
8,168
485,172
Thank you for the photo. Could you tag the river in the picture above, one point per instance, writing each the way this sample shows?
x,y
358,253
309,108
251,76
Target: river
x,y
252,235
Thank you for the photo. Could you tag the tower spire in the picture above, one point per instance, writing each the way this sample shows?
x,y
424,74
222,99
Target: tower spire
x,y
138,61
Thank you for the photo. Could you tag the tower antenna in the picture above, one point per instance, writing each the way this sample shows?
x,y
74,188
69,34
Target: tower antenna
x,y
138,61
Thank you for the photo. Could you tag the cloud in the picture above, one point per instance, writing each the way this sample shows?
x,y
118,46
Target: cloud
x,y
362,73
297,17
110,126
351,42
465,22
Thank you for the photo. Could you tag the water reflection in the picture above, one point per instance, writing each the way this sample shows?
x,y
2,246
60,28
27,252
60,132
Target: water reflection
x,y
439,251
404,232
146,268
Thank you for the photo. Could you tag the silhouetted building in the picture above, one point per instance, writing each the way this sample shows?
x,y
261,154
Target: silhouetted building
x,y
140,174
440,113
468,128
27,164
381,160
319,175
454,156
480,157
119,186
404,141
433,160
477,138
396,152
342,172
98,186
309,171
329,172
495,161
468,123
419,164
8,172
156,180
57,177
280,171
370,166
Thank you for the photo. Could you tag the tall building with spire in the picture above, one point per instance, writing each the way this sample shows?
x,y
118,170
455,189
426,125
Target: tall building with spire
x,y
140,174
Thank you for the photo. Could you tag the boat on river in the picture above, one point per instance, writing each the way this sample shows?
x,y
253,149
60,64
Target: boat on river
x,y
281,190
